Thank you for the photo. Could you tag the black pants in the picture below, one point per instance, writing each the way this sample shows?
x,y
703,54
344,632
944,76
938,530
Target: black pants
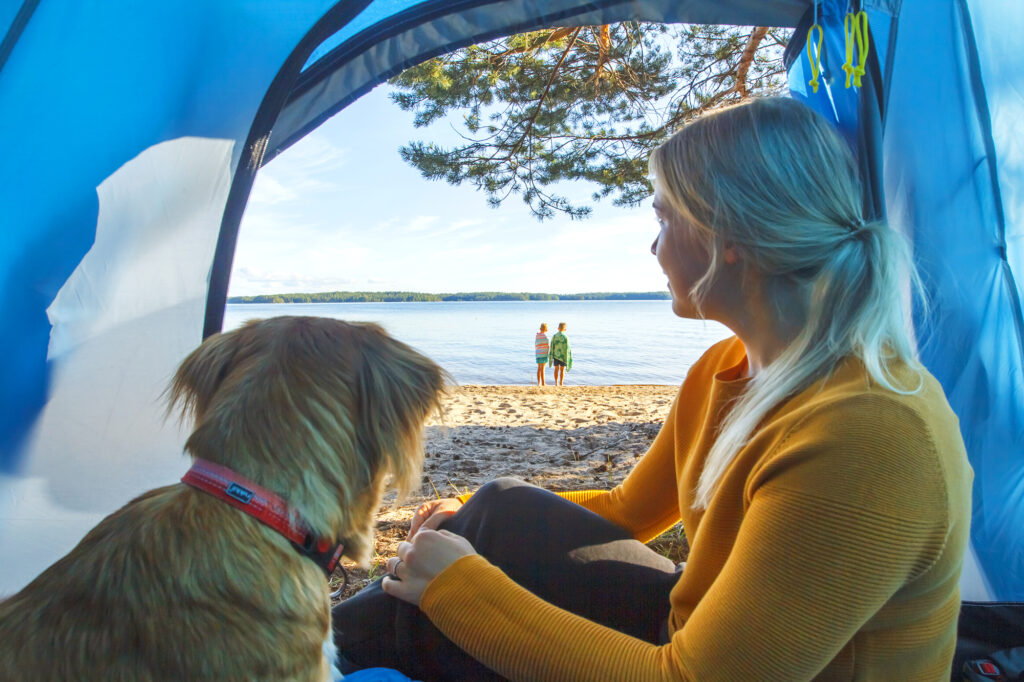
x,y
558,550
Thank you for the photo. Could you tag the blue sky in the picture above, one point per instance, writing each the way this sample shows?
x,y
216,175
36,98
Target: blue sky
x,y
340,210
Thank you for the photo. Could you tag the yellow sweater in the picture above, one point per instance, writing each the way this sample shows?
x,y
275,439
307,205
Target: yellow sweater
x,y
831,550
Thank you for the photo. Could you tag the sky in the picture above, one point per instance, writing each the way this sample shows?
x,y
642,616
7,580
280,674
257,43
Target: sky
x,y
341,211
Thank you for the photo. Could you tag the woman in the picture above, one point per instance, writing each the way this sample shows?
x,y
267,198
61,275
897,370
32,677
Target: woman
x,y
816,467
540,352
561,354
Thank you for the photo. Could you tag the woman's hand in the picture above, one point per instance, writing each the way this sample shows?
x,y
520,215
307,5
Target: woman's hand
x,y
431,514
420,561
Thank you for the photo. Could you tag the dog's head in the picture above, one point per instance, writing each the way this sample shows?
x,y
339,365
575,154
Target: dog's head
x,y
317,410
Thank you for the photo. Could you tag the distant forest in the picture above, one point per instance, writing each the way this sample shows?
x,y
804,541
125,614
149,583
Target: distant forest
x,y
413,296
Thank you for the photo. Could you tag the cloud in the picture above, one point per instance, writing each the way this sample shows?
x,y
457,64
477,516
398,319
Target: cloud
x,y
459,226
419,223
268,191
474,234
470,251
315,154
251,282
386,225
311,166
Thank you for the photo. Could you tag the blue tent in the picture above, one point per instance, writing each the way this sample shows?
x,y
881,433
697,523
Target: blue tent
x,y
131,134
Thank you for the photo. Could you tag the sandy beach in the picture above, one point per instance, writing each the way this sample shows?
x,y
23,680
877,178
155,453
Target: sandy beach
x,y
568,438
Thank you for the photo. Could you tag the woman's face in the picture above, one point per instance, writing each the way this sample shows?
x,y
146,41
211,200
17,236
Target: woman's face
x,y
682,255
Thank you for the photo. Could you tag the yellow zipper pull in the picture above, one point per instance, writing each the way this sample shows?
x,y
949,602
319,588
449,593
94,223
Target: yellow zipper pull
x,y
814,59
863,36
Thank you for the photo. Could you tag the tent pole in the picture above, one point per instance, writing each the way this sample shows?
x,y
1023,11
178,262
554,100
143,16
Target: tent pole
x,y
252,155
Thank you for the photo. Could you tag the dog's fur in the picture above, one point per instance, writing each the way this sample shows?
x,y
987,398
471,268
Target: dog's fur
x,y
178,585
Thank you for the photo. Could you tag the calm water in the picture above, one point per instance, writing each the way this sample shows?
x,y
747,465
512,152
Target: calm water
x,y
613,342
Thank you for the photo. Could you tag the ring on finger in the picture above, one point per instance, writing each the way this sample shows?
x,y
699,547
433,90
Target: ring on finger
x,y
394,571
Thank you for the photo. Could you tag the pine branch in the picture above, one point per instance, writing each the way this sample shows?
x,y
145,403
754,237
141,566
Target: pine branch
x,y
608,95
554,36
540,102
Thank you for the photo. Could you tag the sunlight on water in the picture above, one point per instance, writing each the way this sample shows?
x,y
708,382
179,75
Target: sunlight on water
x,y
613,342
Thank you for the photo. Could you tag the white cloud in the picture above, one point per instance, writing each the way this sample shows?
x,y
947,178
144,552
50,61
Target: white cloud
x,y
268,191
311,166
459,226
314,154
249,282
419,223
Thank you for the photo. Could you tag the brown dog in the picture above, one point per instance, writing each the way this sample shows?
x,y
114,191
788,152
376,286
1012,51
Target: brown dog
x,y
180,585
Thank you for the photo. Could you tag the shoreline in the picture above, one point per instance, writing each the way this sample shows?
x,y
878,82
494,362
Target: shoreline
x,y
447,297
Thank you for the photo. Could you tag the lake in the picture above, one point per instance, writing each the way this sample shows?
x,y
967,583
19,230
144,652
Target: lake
x,y
491,342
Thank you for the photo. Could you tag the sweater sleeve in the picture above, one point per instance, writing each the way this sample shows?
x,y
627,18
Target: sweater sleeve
x,y
523,637
828,537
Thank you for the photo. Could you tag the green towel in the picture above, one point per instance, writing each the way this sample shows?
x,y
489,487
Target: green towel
x,y
560,349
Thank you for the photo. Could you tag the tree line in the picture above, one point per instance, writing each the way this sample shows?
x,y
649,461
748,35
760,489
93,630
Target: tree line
x,y
414,296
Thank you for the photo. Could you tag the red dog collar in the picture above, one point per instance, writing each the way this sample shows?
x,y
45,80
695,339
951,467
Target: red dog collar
x,y
265,507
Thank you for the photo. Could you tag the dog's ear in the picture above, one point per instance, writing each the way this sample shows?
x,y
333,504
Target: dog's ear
x,y
201,374
398,388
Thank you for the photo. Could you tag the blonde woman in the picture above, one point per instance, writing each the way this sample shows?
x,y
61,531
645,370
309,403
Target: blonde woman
x,y
816,466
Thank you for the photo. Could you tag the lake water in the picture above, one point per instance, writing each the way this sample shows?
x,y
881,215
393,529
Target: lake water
x,y
613,342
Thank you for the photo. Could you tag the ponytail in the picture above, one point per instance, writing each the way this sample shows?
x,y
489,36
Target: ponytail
x,y
773,179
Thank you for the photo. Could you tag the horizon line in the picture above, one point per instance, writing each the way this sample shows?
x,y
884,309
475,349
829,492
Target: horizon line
x,y
396,292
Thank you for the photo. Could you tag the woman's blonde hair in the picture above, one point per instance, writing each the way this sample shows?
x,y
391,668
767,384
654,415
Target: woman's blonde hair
x,y
773,179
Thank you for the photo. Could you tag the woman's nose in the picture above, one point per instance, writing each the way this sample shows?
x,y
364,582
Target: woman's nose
x,y
654,246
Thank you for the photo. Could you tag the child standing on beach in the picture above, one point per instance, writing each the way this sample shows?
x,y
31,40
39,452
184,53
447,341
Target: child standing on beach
x,y
561,354
540,347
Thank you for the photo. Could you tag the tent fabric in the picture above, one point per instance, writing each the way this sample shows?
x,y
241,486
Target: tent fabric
x,y
956,216
132,133
14,18
948,184
88,89
856,112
